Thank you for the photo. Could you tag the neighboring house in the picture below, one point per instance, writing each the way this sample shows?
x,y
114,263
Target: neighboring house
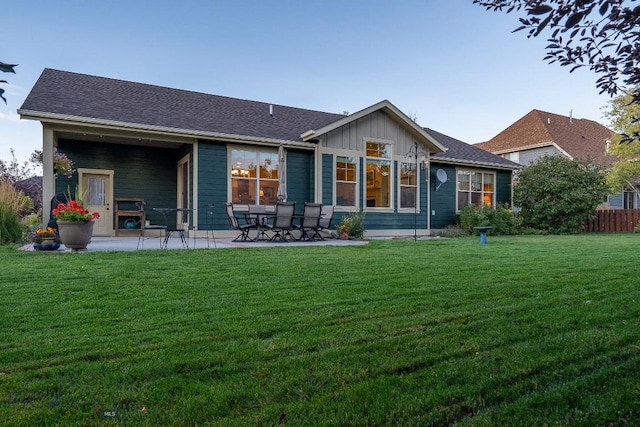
x,y
540,133
177,148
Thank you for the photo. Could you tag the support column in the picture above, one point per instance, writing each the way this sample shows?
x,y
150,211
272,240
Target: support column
x,y
48,178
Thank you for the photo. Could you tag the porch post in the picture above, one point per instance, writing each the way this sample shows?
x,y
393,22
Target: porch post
x,y
48,178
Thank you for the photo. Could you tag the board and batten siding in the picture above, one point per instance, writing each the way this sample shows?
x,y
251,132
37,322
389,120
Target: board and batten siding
x,y
376,125
139,171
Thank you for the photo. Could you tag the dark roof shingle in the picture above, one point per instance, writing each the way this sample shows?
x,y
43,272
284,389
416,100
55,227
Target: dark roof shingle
x,y
105,99
459,151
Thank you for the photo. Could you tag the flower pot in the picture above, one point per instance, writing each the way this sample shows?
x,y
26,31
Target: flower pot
x,y
46,245
344,235
75,235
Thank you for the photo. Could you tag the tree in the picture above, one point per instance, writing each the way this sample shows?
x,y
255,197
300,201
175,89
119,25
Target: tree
x,y
7,68
600,34
623,116
557,194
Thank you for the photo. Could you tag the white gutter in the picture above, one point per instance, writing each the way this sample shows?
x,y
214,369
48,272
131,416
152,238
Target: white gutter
x,y
66,119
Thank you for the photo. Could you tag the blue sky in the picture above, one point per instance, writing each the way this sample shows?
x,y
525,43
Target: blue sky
x,y
456,67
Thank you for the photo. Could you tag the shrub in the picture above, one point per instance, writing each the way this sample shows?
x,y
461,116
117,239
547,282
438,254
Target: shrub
x,y
557,194
502,219
354,222
12,202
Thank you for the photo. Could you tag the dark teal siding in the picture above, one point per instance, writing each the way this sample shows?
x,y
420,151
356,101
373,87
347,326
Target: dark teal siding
x,y
327,179
212,184
146,172
300,177
503,187
443,200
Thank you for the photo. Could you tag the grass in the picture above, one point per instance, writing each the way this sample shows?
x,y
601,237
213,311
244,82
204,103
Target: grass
x,y
523,331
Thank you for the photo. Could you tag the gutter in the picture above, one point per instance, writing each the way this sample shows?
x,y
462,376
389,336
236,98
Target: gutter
x,y
67,119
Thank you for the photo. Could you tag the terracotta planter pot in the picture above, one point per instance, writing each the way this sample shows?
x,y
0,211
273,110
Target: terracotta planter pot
x,y
344,235
75,235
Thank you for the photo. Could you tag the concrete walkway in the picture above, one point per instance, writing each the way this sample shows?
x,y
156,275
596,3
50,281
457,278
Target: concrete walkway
x,y
131,244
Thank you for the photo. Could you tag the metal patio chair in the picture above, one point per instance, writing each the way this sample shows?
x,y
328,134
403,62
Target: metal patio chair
x,y
235,224
310,222
283,221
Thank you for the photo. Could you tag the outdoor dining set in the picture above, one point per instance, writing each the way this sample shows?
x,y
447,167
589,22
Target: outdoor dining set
x,y
280,223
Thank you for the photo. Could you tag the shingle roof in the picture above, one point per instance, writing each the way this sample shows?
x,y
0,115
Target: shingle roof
x,y
82,96
461,152
580,138
104,99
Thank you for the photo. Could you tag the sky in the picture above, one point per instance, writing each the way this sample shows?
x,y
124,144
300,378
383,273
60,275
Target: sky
x,y
452,65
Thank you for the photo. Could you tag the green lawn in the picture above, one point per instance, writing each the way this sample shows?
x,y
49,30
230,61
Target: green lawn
x,y
522,331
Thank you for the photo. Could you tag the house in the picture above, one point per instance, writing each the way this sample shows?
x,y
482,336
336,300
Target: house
x,y
540,133
177,148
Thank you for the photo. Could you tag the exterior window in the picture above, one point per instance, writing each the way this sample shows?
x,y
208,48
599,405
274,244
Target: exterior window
x,y
254,177
514,157
408,185
379,177
628,199
475,188
346,181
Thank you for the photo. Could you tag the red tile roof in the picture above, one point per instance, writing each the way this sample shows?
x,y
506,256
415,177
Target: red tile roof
x,y
579,138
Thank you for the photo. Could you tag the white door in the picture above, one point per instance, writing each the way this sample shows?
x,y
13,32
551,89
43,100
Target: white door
x,y
183,192
96,190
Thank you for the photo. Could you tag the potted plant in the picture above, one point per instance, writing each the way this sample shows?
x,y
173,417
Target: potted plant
x,y
75,224
352,225
343,231
46,239
62,165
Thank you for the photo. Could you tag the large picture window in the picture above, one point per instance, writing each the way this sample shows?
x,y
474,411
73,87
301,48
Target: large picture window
x,y
475,188
254,177
346,181
408,185
379,175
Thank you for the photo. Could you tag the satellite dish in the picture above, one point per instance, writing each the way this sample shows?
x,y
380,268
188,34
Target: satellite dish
x,y
442,177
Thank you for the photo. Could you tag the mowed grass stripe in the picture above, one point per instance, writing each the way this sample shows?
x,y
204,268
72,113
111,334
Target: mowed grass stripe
x,y
522,331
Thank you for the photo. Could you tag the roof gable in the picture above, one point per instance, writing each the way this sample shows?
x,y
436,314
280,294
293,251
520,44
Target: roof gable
x,y
397,115
72,96
579,138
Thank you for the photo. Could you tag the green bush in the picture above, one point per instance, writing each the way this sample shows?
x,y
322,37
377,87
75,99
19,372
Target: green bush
x,y
502,219
557,194
354,222
12,202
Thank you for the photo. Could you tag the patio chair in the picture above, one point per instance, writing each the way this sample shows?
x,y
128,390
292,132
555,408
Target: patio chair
x,y
326,216
310,222
144,227
235,224
283,221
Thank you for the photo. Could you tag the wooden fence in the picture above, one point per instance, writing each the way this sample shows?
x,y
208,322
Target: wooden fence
x,y
613,221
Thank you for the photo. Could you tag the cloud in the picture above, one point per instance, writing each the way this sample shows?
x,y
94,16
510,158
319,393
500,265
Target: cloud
x,y
12,117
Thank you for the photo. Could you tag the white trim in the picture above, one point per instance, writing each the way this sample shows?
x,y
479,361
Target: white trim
x,y
481,171
387,106
111,124
334,180
194,182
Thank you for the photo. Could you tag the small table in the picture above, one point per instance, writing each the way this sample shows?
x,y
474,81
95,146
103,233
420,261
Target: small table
x,y
483,233
172,228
